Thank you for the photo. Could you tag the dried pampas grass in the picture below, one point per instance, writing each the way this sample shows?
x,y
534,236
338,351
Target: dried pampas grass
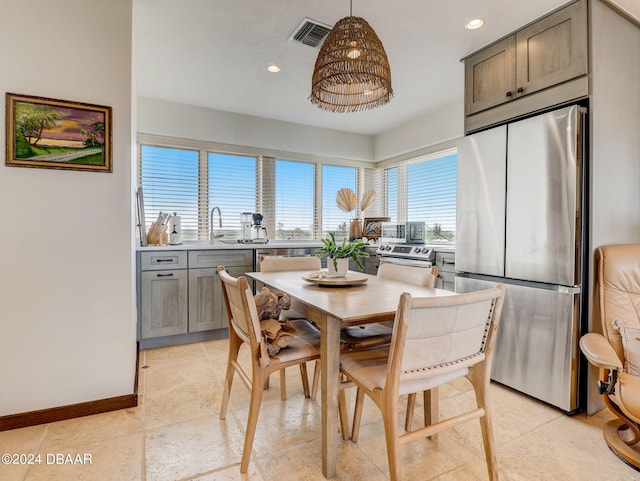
x,y
367,199
346,200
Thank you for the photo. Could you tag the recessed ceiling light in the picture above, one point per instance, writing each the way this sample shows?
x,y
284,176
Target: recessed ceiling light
x,y
273,68
473,24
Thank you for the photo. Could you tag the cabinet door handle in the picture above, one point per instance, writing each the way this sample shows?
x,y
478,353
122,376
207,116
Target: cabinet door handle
x,y
520,90
164,275
509,93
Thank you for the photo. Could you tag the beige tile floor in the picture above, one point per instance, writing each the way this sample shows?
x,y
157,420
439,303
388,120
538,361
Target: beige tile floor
x,y
175,434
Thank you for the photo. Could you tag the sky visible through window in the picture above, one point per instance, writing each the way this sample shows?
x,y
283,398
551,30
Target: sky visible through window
x,y
232,188
294,199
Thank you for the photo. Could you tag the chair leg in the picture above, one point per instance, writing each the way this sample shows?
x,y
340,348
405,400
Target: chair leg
x,y
257,390
316,381
342,412
283,385
430,399
389,411
357,415
479,378
411,404
234,347
305,379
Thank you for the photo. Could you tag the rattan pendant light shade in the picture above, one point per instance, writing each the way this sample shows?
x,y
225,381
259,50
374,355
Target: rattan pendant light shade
x,y
352,71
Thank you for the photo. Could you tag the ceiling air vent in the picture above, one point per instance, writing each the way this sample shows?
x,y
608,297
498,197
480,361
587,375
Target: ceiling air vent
x,y
310,32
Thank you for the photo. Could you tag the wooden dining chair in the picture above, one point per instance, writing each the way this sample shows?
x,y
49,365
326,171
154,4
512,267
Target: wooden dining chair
x,y
377,334
368,336
435,341
280,264
244,329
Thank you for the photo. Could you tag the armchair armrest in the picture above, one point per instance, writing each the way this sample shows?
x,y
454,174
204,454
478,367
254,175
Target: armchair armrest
x,y
599,352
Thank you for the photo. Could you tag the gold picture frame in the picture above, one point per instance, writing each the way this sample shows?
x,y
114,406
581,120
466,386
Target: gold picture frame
x,y
57,134
372,228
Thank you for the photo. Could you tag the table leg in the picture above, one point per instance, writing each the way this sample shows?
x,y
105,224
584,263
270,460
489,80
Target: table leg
x,y
330,362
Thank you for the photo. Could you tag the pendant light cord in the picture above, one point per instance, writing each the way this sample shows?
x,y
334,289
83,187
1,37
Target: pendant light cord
x,y
351,8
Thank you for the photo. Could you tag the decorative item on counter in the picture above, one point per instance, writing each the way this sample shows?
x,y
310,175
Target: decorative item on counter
x,y
372,229
338,255
174,237
347,201
158,234
176,222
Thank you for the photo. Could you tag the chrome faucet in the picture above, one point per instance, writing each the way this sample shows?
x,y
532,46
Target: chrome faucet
x,y
212,236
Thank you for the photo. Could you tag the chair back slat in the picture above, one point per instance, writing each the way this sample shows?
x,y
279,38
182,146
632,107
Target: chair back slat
x,y
450,332
242,313
419,276
445,335
279,264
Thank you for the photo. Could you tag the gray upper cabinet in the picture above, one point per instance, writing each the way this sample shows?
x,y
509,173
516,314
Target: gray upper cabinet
x,y
552,50
546,53
490,76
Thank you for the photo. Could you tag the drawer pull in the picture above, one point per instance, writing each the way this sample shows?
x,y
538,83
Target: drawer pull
x,y
445,262
163,260
164,275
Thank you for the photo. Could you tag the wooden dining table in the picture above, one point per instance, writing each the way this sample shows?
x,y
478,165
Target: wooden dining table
x,y
373,299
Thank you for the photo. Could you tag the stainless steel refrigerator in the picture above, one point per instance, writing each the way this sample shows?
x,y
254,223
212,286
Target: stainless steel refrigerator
x,y
520,221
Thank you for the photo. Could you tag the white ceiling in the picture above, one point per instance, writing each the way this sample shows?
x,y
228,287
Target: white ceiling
x,y
214,53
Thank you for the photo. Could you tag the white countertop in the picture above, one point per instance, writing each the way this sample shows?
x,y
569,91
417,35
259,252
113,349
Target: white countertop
x,y
274,244
219,244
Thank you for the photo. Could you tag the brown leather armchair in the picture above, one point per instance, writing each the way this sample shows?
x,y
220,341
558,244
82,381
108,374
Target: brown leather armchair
x,y
618,303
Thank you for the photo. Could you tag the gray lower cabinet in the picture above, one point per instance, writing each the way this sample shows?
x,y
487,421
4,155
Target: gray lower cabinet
x,y
163,285
206,306
370,263
204,300
445,262
180,293
164,306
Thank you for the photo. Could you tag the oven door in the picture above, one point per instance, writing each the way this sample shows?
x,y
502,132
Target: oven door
x,y
406,262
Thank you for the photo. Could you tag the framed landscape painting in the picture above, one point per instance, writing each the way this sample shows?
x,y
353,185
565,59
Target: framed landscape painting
x,y
373,227
57,134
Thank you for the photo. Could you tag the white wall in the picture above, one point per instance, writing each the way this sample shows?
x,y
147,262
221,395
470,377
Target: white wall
x,y
433,128
615,136
198,123
67,318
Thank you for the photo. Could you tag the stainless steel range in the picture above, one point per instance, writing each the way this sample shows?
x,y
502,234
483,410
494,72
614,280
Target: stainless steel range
x,y
408,255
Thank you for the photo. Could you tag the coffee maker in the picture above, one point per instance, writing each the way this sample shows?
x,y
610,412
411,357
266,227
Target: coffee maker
x,y
251,228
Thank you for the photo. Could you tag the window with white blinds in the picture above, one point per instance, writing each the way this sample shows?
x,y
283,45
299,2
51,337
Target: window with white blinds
x,y
169,179
431,196
391,188
232,188
294,199
297,198
335,178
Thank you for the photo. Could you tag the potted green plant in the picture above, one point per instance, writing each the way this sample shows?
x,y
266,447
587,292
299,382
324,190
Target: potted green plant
x,y
338,254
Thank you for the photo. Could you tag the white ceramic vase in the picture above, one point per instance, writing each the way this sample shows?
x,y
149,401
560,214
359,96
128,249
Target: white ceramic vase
x,y
342,267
